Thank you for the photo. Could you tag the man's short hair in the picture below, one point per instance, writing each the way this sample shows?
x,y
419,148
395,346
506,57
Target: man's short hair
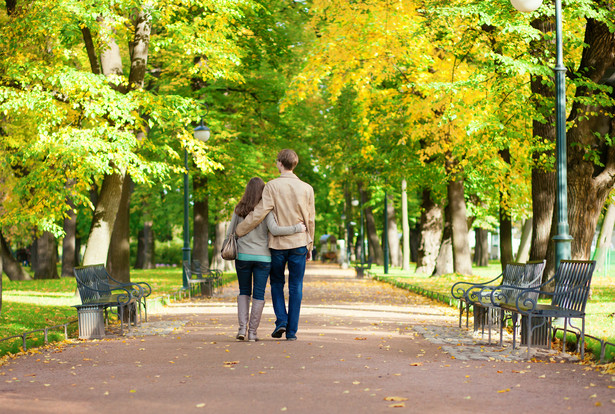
x,y
288,158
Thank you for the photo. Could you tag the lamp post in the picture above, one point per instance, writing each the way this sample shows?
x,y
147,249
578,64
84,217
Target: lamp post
x,y
563,238
202,133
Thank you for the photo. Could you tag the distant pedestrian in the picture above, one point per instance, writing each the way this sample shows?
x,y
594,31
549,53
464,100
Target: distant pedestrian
x,y
291,200
253,261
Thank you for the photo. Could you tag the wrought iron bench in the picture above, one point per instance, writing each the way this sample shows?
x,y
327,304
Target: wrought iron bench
x,y
209,281
572,284
460,290
486,305
98,296
139,290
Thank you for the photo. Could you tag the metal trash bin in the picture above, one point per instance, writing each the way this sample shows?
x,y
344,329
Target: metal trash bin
x,y
540,334
91,320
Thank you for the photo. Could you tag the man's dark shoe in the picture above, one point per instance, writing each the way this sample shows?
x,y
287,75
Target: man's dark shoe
x,y
279,331
291,338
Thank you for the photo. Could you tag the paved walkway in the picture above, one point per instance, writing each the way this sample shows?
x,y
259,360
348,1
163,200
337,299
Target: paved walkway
x,y
364,347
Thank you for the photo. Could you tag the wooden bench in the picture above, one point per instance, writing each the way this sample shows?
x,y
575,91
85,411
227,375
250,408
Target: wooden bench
x,y
209,281
98,296
572,282
139,290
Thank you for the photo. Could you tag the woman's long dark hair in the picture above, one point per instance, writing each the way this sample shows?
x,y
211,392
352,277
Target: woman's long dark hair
x,y
251,197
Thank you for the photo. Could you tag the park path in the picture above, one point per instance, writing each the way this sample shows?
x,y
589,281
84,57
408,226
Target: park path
x,y
364,347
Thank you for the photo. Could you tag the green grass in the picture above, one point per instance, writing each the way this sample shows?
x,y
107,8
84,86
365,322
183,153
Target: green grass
x,y
36,304
600,305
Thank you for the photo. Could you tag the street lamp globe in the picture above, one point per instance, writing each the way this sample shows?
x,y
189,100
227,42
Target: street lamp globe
x,y
201,132
526,6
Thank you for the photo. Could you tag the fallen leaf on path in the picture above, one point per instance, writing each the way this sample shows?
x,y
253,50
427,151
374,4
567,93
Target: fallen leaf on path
x,y
416,364
360,339
200,405
397,405
506,390
395,399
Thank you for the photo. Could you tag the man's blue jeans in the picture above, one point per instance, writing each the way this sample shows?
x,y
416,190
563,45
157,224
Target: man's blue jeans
x,y
252,272
296,269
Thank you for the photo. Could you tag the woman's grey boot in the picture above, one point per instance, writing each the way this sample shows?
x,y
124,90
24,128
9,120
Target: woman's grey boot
x,y
243,310
255,318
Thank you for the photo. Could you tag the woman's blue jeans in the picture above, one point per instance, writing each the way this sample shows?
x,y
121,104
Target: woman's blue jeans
x,y
252,276
295,258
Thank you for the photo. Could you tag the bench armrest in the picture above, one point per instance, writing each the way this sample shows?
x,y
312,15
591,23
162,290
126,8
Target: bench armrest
x,y
143,288
123,298
459,289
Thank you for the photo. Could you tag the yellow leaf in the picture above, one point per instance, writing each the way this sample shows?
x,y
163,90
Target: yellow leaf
x,y
398,405
395,399
506,390
200,405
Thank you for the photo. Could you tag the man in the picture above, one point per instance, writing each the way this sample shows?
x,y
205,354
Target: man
x,y
292,201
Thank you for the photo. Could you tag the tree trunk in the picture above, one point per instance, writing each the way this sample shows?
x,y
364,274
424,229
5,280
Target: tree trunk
x,y
462,259
604,239
10,265
218,261
69,241
506,248
543,181
118,262
589,184
201,220
523,254
393,233
481,249
375,249
444,262
46,257
145,247
431,234
103,223
405,227
97,247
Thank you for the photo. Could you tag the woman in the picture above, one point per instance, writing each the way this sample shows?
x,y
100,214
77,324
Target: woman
x,y
254,259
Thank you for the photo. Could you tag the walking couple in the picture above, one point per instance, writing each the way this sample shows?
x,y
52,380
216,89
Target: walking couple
x,y
275,225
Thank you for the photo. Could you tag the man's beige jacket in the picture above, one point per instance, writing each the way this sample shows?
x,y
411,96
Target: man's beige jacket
x,y
292,202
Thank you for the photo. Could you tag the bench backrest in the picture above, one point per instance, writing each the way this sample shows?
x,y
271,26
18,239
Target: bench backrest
x,y
88,277
513,276
528,275
572,283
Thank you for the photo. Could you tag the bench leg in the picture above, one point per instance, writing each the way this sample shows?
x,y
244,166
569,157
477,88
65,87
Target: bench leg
x,y
529,334
514,323
565,334
582,341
